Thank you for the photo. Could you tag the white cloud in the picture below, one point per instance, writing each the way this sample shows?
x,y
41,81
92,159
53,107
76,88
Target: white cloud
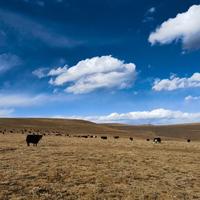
x,y
40,72
156,116
174,83
58,71
6,112
149,15
22,27
95,73
192,98
29,100
44,71
151,10
20,100
184,27
8,61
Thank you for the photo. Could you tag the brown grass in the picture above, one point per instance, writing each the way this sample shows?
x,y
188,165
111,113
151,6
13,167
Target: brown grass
x,y
81,127
78,168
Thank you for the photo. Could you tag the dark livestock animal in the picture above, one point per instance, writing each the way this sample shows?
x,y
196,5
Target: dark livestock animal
x,y
116,137
157,140
188,140
104,137
34,139
84,136
131,138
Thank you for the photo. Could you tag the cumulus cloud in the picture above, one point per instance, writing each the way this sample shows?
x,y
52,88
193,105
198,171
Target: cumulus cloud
x,y
95,73
8,61
184,27
154,116
192,98
174,83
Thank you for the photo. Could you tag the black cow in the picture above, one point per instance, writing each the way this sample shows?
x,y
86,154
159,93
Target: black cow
x,y
157,140
148,139
116,137
131,138
34,139
104,137
188,140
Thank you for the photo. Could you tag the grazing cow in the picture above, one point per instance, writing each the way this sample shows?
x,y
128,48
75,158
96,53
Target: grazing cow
x,y
188,140
34,139
104,137
116,137
84,136
131,139
157,140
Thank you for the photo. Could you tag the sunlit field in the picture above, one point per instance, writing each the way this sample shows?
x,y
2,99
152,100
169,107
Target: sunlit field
x,y
77,168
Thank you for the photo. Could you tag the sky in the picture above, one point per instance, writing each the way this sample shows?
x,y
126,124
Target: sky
x,y
119,61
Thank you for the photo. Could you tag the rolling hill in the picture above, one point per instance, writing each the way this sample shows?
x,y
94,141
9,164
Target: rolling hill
x,y
77,127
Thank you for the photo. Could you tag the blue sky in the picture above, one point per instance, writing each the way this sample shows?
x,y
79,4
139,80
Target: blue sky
x,y
104,60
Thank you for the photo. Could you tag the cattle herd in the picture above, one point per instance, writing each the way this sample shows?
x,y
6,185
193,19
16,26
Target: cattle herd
x,y
34,138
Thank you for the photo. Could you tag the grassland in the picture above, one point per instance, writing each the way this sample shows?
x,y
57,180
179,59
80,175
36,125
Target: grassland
x,y
77,168
81,127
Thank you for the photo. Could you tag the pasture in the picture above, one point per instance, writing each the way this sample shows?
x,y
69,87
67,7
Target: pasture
x,y
78,168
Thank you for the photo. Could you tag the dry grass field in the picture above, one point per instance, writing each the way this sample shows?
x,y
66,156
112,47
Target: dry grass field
x,y
76,168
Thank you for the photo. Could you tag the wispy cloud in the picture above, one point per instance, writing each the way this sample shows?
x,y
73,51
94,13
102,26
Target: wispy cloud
x,y
157,116
41,72
41,3
151,10
8,61
185,27
192,98
6,112
21,100
149,15
18,100
32,30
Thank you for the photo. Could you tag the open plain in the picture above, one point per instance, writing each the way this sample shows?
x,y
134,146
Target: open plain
x,y
62,167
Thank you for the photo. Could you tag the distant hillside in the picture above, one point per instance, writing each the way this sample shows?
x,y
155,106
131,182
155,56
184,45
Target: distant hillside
x,y
75,127
179,131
